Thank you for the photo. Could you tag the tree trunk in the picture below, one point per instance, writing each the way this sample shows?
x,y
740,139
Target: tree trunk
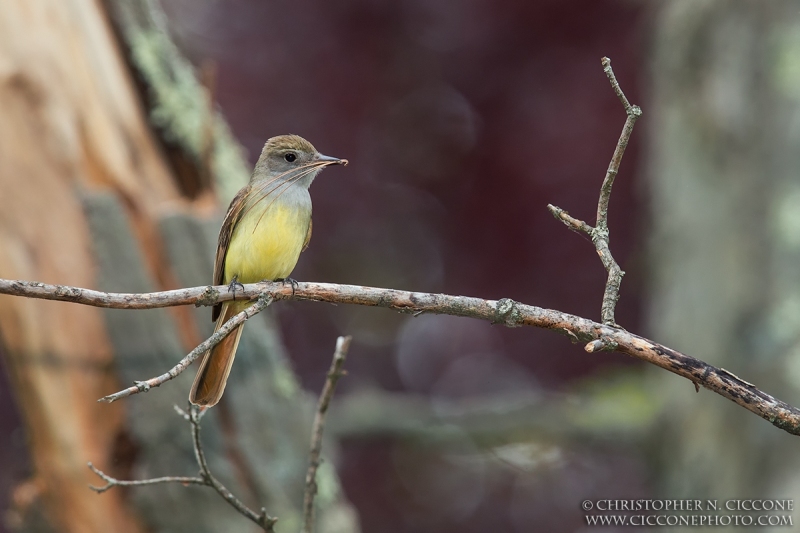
x,y
108,160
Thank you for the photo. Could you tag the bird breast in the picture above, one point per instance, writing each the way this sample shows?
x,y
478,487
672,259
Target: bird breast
x,y
267,240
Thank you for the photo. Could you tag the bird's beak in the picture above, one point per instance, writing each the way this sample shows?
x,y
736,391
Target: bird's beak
x,y
332,160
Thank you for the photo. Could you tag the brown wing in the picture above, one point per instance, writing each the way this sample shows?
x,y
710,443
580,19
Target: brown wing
x,y
225,234
308,235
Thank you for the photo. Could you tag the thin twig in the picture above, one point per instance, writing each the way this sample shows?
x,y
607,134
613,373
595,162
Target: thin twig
x,y
144,386
606,62
633,112
578,226
193,416
599,233
265,521
506,312
113,482
335,372
613,167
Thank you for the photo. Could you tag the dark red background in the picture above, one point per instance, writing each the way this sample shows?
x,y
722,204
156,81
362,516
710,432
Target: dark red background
x,y
462,120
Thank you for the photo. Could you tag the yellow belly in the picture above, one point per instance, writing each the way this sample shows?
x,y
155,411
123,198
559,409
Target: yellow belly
x,y
267,248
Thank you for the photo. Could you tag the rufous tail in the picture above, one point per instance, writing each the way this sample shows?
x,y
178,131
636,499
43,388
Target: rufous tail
x,y
209,384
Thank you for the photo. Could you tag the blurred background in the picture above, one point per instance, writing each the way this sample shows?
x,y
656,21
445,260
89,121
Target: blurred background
x,y
128,125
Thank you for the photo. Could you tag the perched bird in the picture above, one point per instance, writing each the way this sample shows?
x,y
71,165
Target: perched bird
x,y
266,227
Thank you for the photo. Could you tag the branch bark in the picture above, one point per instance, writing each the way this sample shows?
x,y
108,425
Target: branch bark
x,y
505,311
599,233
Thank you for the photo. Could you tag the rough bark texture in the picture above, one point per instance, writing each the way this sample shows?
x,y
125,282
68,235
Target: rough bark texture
x,y
92,195
71,123
725,245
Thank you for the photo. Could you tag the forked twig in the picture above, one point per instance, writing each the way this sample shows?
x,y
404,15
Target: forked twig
x,y
205,478
265,521
599,233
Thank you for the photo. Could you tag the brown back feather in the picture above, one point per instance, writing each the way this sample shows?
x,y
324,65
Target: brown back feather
x,y
225,235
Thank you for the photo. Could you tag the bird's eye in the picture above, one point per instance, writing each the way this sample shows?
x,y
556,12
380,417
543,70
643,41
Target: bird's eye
x,y
290,157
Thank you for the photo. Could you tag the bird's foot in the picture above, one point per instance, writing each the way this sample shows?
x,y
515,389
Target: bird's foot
x,y
234,284
291,281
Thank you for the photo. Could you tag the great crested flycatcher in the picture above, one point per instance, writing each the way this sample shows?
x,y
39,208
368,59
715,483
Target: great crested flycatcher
x,y
266,227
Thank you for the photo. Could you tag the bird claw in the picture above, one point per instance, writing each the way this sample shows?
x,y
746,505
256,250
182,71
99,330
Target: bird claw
x,y
233,284
293,282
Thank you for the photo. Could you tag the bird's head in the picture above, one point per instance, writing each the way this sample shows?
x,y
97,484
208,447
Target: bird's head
x,y
292,158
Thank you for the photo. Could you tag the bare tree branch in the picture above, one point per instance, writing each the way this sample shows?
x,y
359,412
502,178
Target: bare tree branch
x,y
144,386
599,233
113,482
506,312
335,372
194,415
